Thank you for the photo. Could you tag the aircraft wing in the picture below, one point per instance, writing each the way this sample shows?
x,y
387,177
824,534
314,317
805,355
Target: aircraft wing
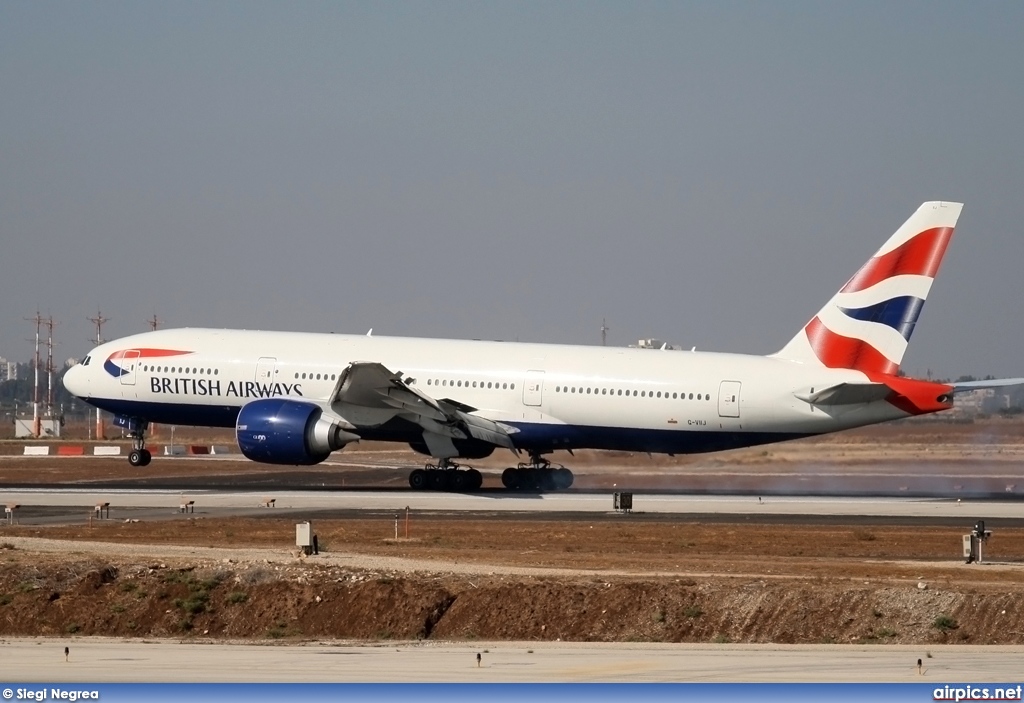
x,y
370,385
967,386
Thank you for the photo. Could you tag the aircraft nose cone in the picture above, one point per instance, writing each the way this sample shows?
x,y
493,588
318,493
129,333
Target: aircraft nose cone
x,y
77,382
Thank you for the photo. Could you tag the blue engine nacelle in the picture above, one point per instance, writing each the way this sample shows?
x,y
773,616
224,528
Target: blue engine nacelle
x,y
283,431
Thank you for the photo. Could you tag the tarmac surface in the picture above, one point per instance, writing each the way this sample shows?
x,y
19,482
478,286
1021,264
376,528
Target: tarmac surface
x,y
109,660
63,505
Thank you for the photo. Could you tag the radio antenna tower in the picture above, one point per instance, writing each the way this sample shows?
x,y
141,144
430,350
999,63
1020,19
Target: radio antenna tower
x,y
36,429
99,321
49,366
604,333
154,322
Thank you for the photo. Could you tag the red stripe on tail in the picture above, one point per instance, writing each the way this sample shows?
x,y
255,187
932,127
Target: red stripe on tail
x,y
838,352
918,256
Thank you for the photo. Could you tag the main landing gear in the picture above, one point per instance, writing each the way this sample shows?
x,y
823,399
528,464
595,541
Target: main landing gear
x,y
538,474
139,455
445,476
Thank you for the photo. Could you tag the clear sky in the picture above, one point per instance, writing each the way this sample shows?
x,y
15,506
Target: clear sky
x,y
706,173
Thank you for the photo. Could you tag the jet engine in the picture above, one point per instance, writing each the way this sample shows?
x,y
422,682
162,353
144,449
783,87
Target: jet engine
x,y
283,431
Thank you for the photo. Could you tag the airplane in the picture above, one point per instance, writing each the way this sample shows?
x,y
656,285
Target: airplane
x,y
294,398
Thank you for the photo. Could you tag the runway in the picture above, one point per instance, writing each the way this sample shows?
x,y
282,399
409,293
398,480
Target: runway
x,y
112,660
569,504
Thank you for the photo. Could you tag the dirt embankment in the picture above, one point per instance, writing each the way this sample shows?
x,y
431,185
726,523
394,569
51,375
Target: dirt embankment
x,y
261,601
496,580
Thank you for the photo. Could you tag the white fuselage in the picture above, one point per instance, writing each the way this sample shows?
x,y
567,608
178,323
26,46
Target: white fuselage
x,y
556,396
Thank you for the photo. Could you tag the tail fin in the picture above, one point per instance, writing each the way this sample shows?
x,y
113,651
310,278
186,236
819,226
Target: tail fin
x,y
866,325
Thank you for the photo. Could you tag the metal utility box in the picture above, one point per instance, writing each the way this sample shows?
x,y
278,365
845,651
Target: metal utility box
x,y
968,547
304,535
622,501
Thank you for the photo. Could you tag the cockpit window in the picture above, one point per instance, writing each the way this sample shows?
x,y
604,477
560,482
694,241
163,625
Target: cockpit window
x,y
85,362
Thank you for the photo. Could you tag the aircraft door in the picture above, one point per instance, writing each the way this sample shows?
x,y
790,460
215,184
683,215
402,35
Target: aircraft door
x,y
729,399
265,368
129,363
533,389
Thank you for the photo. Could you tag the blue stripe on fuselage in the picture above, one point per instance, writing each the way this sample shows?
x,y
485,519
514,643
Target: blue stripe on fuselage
x,y
538,437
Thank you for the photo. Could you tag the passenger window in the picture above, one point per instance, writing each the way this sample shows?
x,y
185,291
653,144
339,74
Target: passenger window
x,y
512,386
698,396
691,396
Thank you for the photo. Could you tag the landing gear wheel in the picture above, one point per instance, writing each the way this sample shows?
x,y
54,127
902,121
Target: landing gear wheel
x,y
459,481
418,479
139,455
538,474
476,479
563,478
437,480
510,479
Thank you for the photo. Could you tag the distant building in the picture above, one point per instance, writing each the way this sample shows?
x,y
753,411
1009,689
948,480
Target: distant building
x,y
972,402
8,370
652,344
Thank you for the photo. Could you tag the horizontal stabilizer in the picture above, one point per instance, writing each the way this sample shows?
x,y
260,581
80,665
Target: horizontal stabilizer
x,y
967,386
847,394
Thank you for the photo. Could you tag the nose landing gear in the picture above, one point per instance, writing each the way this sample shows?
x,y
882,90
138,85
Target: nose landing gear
x,y
139,455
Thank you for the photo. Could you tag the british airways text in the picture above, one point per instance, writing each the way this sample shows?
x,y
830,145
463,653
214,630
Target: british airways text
x,y
209,386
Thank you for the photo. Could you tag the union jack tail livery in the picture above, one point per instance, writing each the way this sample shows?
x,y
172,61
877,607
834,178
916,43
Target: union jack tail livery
x,y
866,325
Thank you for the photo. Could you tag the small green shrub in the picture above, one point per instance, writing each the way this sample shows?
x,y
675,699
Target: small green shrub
x,y
694,611
194,605
238,597
944,623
